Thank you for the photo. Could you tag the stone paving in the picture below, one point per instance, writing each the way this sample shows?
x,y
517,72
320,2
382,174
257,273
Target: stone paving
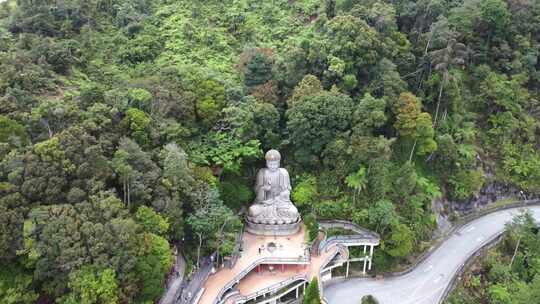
x,y
254,281
292,248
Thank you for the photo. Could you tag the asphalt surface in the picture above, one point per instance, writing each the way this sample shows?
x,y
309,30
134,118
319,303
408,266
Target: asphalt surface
x,y
172,292
427,282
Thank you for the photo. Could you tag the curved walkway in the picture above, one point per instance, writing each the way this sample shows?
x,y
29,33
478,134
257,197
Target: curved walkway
x,y
427,282
362,236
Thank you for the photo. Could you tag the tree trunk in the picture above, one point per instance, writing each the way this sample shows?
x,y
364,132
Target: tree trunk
x,y
438,102
199,250
412,150
515,252
427,44
46,124
128,196
422,22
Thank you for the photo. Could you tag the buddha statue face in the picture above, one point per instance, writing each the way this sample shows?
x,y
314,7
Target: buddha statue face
x,y
273,165
272,160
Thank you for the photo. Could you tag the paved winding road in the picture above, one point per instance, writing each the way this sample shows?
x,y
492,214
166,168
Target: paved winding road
x,y
426,283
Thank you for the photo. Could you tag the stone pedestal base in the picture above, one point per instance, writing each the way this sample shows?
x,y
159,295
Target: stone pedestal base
x,y
272,229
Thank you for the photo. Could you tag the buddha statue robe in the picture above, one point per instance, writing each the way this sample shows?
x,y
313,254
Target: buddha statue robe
x,y
272,204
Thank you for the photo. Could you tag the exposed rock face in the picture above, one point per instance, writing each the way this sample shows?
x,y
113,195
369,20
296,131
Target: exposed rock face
x,y
490,193
443,222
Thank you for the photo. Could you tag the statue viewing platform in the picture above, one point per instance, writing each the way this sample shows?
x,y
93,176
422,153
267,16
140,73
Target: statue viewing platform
x,y
275,261
261,267
288,250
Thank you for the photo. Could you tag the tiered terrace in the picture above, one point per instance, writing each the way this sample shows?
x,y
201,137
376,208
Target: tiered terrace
x,y
271,266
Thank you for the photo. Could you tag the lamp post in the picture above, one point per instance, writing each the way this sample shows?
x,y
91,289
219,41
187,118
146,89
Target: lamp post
x,y
213,270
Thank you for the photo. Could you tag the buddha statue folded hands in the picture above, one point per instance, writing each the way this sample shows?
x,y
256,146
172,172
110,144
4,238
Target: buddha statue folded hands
x,y
272,204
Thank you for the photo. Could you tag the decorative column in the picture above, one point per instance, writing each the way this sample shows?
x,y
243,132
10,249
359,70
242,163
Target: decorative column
x,y
370,256
365,262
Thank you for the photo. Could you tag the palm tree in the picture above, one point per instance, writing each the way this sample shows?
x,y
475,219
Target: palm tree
x,y
444,60
358,181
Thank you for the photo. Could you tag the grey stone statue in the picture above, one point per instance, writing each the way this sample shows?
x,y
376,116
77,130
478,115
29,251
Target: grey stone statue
x,y
273,205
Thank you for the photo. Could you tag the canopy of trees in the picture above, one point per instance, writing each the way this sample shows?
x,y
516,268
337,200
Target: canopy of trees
x,y
129,127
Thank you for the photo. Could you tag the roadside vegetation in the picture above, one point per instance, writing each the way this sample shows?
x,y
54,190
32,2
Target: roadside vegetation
x,y
508,274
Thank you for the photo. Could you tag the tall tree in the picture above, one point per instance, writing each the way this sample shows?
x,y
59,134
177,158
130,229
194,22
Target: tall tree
x,y
91,286
357,181
315,121
413,125
443,60
258,70
124,170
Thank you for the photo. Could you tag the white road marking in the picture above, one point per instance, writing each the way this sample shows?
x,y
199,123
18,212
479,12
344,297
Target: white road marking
x,y
470,229
422,286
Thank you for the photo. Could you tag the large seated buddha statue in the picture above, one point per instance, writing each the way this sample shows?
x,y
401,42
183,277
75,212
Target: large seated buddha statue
x,y
272,211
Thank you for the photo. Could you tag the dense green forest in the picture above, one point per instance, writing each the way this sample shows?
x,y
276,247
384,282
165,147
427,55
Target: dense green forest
x,y
131,126
508,275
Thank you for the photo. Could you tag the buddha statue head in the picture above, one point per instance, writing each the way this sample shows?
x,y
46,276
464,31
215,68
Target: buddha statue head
x,y
272,159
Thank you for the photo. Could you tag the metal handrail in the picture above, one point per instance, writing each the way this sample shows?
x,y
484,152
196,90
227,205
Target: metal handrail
x,y
232,294
274,287
236,251
348,226
344,239
326,261
363,235
244,272
288,281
